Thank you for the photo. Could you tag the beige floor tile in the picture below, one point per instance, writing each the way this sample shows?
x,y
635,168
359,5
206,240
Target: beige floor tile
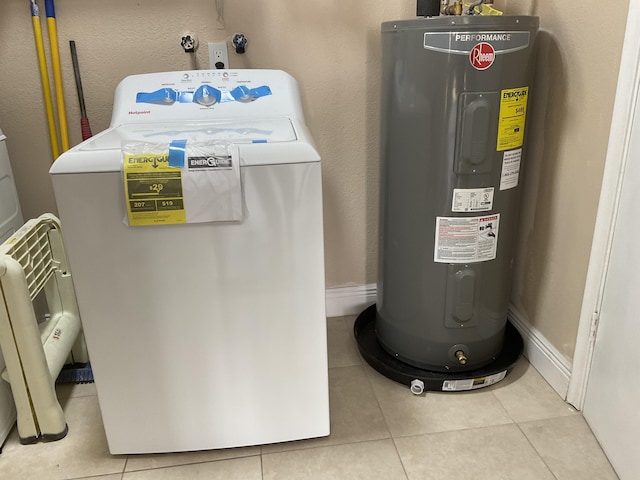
x,y
146,462
355,414
247,468
83,452
491,453
356,461
527,396
569,448
408,414
343,351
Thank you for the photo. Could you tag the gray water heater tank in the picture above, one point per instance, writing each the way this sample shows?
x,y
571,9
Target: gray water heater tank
x,y
455,96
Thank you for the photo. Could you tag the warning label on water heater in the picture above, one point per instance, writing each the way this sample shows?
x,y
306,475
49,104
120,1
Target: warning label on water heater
x,y
466,239
510,169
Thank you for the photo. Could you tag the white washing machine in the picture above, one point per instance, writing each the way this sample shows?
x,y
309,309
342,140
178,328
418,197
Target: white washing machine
x,y
10,221
10,213
202,335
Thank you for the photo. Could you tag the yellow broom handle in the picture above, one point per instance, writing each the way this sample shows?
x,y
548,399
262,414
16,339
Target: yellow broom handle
x,y
46,87
57,81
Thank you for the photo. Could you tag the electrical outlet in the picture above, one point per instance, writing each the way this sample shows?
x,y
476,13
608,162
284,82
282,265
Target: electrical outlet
x,y
218,55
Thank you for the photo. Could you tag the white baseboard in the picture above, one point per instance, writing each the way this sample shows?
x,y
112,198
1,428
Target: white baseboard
x,y
544,357
343,301
554,367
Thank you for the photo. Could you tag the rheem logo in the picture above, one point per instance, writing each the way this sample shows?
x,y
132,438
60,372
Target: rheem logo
x,y
482,56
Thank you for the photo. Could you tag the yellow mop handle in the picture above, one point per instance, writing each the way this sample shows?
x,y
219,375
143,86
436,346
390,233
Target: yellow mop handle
x,y
57,81
46,87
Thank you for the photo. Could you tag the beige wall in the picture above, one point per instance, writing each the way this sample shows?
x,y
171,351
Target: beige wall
x,y
332,48
578,61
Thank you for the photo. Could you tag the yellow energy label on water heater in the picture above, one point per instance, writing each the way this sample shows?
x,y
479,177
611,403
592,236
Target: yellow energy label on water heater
x,y
153,190
513,111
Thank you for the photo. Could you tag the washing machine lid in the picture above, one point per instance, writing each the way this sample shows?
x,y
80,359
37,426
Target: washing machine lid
x,y
261,141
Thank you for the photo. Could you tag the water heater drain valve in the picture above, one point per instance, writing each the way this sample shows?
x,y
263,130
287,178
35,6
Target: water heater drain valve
x,y
462,358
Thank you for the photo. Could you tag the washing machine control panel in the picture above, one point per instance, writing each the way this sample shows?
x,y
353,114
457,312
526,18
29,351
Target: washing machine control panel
x,y
205,95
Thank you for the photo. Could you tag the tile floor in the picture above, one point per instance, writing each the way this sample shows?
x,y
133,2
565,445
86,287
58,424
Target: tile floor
x,y
517,429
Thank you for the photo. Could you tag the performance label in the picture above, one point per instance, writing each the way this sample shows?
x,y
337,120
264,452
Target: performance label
x,y
466,239
513,111
461,43
153,190
472,199
510,169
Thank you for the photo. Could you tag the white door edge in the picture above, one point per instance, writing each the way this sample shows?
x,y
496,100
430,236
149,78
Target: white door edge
x,y
627,91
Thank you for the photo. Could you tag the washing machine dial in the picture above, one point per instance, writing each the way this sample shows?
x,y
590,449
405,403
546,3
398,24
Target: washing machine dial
x,y
164,96
206,95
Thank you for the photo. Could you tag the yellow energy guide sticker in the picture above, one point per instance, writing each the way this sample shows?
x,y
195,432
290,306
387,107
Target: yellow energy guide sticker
x,y
153,190
513,111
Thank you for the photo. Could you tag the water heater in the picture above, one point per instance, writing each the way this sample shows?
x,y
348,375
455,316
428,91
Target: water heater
x,y
455,95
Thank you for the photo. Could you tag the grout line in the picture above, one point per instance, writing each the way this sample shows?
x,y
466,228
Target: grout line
x,y
513,420
181,465
124,467
364,366
537,452
330,445
552,417
440,432
96,475
261,464
185,464
404,469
